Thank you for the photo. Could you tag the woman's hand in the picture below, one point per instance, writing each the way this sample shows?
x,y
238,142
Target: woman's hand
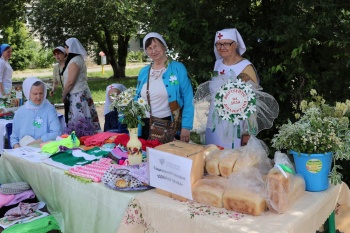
x,y
64,97
185,135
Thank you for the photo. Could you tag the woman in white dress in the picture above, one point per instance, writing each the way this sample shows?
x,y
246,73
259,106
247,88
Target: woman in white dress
x,y
228,48
5,70
76,92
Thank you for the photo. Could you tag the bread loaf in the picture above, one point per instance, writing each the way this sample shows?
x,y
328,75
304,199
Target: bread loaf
x,y
212,163
244,201
209,148
209,190
245,160
227,161
282,192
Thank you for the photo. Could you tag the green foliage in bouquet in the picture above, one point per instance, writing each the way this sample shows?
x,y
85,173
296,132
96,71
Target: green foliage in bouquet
x,y
320,128
132,111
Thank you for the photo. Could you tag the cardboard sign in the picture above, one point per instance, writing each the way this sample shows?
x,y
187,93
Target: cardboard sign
x,y
170,172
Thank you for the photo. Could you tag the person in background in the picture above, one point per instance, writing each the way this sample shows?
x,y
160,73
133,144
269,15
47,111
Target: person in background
x,y
76,92
168,82
229,48
112,122
37,118
5,70
60,55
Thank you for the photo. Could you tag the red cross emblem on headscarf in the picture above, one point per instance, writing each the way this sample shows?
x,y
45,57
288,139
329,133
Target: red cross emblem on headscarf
x,y
222,72
220,35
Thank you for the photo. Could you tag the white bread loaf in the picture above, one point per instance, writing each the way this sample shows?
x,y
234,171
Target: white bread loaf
x,y
227,161
209,190
282,192
244,201
245,160
212,163
209,148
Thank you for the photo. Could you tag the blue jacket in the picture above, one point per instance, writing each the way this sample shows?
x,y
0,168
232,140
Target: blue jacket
x,y
42,123
178,86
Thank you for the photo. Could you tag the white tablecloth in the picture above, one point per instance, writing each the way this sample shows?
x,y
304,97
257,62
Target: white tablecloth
x,y
151,212
78,207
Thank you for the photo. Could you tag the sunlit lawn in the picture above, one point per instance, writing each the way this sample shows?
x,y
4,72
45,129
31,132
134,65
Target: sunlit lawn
x,y
98,83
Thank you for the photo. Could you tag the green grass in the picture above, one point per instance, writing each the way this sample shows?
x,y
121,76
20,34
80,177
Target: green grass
x,y
98,83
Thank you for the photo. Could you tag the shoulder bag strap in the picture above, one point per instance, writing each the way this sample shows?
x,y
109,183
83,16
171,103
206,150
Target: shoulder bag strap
x,y
147,91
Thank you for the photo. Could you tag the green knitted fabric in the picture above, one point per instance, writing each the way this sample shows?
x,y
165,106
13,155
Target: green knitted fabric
x,y
66,157
52,147
41,225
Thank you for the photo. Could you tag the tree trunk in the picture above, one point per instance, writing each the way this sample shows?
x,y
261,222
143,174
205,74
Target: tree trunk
x,y
123,41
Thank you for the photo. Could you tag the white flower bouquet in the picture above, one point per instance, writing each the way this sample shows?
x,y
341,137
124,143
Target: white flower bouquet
x,y
131,111
321,128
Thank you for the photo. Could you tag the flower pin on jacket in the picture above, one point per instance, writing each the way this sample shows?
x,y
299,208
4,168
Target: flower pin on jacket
x,y
173,79
37,122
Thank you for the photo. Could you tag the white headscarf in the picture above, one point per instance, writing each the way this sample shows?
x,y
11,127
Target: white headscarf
x,y
120,87
27,86
76,47
60,48
231,34
156,35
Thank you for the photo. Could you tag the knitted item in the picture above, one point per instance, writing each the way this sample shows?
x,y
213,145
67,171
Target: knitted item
x,y
91,172
52,147
5,199
41,225
13,188
98,139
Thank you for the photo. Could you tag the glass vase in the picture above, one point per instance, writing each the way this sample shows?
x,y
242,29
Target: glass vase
x,y
134,147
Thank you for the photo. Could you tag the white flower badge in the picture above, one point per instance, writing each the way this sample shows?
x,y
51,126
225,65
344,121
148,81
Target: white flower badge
x,y
37,122
173,79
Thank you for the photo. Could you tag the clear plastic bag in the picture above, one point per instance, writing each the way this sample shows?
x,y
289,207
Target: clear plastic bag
x,y
283,187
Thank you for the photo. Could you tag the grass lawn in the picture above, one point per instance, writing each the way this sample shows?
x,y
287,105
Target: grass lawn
x,y
98,83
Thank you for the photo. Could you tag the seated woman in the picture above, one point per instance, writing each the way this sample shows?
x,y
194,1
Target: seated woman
x,y
112,122
37,118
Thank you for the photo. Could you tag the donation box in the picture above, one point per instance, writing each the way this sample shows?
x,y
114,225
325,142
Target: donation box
x,y
174,167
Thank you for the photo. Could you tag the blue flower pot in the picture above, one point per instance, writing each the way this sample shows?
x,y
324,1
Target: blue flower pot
x,y
314,168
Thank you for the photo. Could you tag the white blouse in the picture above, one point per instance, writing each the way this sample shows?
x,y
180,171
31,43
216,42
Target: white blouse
x,y
6,75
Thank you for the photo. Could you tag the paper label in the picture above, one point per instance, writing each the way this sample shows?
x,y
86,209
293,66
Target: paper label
x,y
314,165
170,172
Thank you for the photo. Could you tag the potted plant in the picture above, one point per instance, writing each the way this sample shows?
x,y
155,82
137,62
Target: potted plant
x,y
320,129
131,112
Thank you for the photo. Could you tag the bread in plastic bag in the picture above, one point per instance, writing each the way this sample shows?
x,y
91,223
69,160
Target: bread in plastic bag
x,y
283,187
209,190
245,192
227,160
254,154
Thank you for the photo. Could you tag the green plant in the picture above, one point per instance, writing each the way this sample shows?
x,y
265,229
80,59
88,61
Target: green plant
x,y
132,111
135,56
320,128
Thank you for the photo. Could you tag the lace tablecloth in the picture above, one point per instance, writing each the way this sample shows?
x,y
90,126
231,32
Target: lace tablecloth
x,y
151,212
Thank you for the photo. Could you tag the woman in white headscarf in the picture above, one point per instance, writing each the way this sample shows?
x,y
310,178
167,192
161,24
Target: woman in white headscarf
x,y
76,92
229,48
60,55
112,122
168,83
36,121
5,70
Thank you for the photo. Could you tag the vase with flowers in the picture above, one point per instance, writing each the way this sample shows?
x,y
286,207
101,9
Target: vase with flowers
x,y
131,112
320,130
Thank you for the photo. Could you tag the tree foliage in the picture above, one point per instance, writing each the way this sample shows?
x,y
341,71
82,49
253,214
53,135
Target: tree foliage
x,y
17,36
109,24
12,11
295,45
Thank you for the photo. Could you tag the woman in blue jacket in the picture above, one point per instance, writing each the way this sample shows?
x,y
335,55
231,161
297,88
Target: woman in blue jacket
x,y
168,82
